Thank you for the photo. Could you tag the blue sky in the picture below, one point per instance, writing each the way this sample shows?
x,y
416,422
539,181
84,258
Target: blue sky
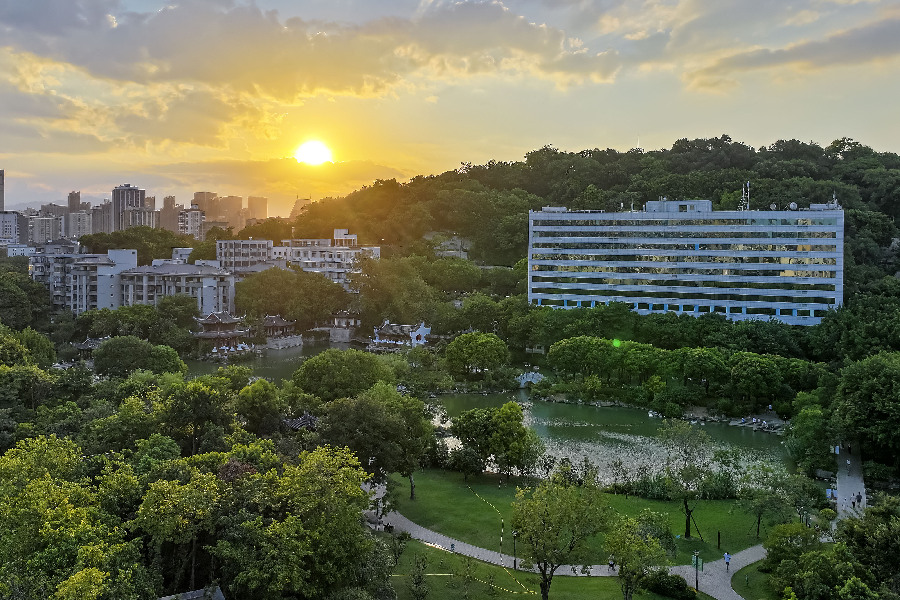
x,y
216,95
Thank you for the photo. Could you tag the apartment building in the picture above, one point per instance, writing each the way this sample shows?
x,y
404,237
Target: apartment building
x,y
684,257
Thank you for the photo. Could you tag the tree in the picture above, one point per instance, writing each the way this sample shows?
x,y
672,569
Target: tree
x,y
874,539
193,411
687,463
341,373
120,356
865,406
418,584
762,492
261,406
637,550
554,521
307,298
474,354
180,514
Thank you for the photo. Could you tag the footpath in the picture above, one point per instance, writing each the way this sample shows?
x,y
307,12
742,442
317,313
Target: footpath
x,y
714,580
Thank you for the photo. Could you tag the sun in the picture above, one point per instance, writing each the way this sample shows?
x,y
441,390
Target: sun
x,y
313,152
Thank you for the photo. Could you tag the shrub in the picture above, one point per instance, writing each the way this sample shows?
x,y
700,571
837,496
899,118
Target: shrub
x,y
672,586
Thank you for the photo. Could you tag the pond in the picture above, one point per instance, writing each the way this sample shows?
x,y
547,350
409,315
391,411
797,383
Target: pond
x,y
274,365
606,433
572,430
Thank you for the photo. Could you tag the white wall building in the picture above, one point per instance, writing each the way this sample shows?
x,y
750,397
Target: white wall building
x,y
190,221
334,258
93,279
43,230
211,286
682,256
236,255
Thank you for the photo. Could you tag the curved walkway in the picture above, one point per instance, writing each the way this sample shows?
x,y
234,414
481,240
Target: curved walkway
x,y
714,580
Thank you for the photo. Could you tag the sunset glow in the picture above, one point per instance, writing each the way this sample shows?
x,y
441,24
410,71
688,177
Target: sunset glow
x,y
405,88
313,152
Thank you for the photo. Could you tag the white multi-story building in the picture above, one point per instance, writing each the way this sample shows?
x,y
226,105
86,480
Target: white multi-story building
x,y
92,280
190,221
240,254
334,258
211,286
682,256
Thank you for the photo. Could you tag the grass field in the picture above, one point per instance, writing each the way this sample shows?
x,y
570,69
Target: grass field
x,y
753,585
447,580
471,511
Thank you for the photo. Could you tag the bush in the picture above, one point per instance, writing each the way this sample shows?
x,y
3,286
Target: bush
x,y
672,586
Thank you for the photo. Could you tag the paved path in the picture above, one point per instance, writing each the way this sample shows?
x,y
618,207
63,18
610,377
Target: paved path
x,y
849,482
714,580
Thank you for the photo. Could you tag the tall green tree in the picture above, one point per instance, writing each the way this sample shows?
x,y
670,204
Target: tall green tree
x,y
687,463
555,521
341,373
636,549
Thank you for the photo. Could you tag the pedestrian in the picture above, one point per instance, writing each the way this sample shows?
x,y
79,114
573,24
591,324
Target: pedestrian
x,y
853,501
849,449
612,563
848,466
727,558
859,499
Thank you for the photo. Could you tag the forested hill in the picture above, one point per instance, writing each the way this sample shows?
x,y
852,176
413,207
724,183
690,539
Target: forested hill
x,y
489,203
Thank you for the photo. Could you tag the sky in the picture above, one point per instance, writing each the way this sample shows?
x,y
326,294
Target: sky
x,y
216,95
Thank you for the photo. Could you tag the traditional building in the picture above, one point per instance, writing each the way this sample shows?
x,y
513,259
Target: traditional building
x,y
390,334
222,330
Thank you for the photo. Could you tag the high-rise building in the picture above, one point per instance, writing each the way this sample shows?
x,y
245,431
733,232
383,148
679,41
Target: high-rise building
x,y
259,207
140,217
102,218
13,227
43,230
79,224
168,215
686,258
2,191
150,202
190,221
204,201
124,197
74,201
53,210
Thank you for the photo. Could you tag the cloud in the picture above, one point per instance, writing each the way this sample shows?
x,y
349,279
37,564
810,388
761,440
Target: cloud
x,y
874,41
250,50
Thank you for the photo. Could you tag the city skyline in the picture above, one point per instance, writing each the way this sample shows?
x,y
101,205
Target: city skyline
x,y
193,95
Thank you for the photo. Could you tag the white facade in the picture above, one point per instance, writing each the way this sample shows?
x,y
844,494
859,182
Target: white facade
x,y
190,222
93,280
335,258
240,254
686,258
212,287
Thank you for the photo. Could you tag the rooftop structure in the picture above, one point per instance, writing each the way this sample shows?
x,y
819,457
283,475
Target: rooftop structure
x,y
684,257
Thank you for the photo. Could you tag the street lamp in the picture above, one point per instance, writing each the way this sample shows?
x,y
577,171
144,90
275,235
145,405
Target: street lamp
x,y
697,570
515,535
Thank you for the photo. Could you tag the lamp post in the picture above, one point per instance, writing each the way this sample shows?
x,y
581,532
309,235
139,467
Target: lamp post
x,y
697,570
515,535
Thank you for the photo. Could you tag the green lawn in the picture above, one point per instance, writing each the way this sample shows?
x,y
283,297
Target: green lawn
x,y
448,504
753,585
447,581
